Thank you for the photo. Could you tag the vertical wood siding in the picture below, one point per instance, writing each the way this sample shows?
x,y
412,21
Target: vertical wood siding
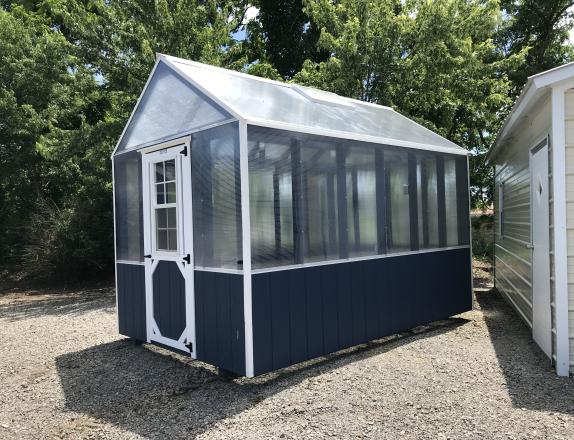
x,y
131,300
300,314
219,326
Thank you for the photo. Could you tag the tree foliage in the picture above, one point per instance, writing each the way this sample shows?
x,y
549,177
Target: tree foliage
x,y
71,72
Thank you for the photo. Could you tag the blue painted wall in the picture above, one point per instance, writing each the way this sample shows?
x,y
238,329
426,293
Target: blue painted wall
x,y
300,314
131,300
220,329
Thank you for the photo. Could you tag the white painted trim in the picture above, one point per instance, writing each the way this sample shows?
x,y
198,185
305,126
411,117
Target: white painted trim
x,y
115,244
470,231
184,140
137,263
298,128
135,107
246,246
161,152
560,235
353,259
176,136
218,270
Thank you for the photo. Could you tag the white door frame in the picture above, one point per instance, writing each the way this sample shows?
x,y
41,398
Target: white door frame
x,y
180,150
540,251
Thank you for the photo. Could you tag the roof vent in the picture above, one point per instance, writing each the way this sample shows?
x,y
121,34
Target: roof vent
x,y
322,97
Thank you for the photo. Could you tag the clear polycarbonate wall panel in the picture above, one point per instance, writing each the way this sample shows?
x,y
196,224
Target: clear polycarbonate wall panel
x,y
128,209
427,200
450,202
271,202
361,201
216,194
169,107
398,210
276,102
319,207
314,198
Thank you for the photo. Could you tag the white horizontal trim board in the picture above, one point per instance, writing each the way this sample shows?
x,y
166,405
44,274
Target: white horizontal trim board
x,y
350,260
218,270
137,263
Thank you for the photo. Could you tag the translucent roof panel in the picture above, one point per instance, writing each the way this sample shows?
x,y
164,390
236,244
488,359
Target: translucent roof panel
x,y
169,106
260,99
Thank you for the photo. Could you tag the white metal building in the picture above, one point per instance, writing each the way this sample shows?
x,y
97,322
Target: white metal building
x,y
533,159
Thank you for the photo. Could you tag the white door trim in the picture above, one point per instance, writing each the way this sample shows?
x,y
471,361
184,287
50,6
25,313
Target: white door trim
x,y
540,247
161,152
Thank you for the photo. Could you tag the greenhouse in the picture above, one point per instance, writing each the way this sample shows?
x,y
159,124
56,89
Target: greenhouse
x,y
260,224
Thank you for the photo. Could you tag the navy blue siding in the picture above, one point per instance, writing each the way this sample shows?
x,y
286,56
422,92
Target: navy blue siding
x,y
220,329
131,300
169,299
300,314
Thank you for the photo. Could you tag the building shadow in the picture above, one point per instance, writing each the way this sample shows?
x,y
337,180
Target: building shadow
x,y
156,394
531,380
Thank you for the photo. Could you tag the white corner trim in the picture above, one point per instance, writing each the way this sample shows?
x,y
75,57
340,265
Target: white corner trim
x,y
246,246
560,236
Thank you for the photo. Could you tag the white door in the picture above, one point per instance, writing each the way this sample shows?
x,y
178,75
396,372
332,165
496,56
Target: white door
x,y
541,319
168,244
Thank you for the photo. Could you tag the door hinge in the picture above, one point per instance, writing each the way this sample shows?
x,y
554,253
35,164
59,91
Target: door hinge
x,y
187,259
190,346
184,151
147,256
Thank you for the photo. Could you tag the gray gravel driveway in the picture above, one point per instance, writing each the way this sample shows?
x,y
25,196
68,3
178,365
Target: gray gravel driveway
x,y
65,373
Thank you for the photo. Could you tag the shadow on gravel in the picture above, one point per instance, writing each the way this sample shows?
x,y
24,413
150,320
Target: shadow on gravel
x,y
531,381
70,303
159,395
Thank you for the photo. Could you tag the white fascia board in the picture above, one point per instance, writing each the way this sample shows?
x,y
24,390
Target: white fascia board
x,y
355,137
157,60
553,76
230,109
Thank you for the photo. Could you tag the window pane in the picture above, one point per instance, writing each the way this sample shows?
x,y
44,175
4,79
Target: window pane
x,y
160,197
450,202
398,216
170,169
171,217
216,192
159,173
170,192
161,218
172,239
162,239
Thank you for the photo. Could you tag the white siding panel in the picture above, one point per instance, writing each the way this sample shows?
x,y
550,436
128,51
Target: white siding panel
x,y
513,271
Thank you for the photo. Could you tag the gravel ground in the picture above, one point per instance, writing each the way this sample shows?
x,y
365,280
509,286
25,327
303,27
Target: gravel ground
x,y
65,373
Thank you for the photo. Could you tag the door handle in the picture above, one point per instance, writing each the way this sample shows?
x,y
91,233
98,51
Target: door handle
x,y
187,259
530,246
147,256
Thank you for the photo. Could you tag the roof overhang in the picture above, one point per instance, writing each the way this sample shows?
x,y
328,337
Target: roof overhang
x,y
537,87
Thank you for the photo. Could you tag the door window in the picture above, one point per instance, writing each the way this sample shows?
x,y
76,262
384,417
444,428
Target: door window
x,y
165,206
